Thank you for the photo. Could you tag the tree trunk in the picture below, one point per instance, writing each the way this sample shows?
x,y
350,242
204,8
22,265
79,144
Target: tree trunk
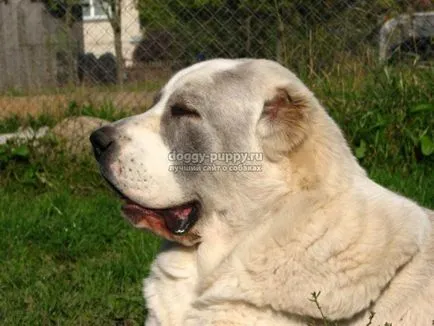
x,y
116,22
71,47
119,58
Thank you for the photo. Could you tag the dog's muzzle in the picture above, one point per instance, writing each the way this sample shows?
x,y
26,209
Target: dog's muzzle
x,y
172,222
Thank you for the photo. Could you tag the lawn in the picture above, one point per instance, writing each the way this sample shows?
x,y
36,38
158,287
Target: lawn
x,y
69,258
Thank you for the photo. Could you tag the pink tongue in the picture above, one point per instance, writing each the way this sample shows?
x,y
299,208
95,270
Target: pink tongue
x,y
182,212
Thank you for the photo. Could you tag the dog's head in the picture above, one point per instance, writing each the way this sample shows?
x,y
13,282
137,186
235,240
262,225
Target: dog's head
x,y
211,145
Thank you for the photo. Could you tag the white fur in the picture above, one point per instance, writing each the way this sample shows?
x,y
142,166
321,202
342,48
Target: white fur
x,y
312,221
141,168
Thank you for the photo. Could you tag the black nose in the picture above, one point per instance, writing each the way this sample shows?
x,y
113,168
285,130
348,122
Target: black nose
x,y
101,140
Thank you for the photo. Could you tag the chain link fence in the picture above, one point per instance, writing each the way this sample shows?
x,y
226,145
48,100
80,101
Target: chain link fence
x,y
60,55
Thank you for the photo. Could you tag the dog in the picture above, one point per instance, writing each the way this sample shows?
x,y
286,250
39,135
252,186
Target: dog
x,y
262,204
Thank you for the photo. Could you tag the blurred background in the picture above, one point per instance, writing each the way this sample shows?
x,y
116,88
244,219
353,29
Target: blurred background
x,y
59,51
70,66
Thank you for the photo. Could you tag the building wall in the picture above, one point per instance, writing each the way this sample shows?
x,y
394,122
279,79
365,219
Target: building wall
x,y
30,43
98,34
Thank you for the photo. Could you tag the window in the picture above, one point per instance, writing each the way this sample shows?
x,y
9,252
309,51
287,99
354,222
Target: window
x,y
95,9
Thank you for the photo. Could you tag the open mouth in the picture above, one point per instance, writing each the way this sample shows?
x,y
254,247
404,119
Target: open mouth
x,y
177,220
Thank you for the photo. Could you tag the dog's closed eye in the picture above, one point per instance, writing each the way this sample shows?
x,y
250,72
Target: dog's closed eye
x,y
179,111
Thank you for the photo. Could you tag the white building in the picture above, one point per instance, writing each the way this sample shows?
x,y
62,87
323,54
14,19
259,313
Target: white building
x,y
98,33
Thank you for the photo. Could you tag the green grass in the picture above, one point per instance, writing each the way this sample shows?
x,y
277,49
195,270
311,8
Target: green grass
x,y
13,122
387,111
67,256
417,184
70,259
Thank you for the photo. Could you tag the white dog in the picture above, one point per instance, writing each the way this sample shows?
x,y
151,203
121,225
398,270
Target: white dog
x,y
239,166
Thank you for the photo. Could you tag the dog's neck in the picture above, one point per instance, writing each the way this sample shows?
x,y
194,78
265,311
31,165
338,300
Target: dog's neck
x,y
317,171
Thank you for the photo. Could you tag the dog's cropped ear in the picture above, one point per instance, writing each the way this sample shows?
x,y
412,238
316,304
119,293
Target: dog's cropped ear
x,y
284,121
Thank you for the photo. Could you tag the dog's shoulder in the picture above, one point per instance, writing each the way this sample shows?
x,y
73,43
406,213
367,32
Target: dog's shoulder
x,y
351,247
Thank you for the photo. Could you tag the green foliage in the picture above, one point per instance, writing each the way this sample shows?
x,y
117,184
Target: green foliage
x,y
31,163
8,153
14,122
427,145
10,124
247,28
64,9
211,27
24,164
68,258
107,111
360,150
387,114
